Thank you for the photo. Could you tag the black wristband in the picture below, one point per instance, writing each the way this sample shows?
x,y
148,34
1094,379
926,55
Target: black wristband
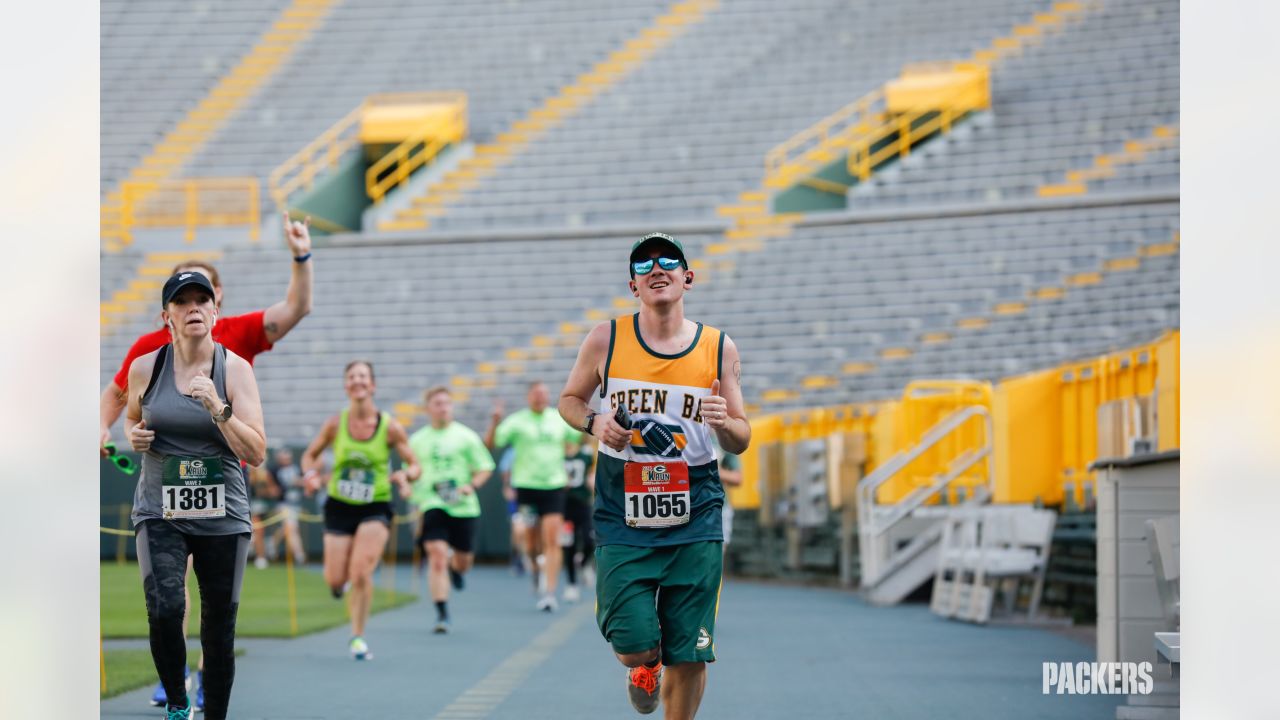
x,y
302,258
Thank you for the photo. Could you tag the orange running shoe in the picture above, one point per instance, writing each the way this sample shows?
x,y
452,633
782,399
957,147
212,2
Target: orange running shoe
x,y
643,686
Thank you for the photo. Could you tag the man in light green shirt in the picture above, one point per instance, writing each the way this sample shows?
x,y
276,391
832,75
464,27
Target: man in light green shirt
x,y
540,439
455,463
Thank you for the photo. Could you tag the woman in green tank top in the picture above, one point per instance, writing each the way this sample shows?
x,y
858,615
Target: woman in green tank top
x,y
357,511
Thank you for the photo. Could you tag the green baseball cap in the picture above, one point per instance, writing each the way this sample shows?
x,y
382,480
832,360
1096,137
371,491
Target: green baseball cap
x,y
639,251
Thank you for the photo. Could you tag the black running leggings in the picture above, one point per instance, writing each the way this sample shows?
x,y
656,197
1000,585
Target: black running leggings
x,y
578,512
219,562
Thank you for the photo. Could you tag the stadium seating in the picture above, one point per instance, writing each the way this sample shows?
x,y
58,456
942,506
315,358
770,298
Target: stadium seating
x,y
158,60
506,56
667,145
837,311
1084,92
827,296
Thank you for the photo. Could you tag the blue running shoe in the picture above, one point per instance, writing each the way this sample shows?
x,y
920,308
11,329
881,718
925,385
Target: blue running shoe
x,y
159,699
199,707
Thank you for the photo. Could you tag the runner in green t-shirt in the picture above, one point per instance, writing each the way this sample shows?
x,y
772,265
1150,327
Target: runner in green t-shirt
x,y
540,438
578,540
455,463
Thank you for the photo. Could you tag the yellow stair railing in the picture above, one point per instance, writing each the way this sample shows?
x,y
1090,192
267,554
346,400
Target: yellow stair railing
x,y
189,204
897,133
299,172
445,128
273,49
819,144
848,128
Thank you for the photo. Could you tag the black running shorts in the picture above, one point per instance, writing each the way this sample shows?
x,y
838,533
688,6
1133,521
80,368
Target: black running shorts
x,y
459,532
542,502
342,518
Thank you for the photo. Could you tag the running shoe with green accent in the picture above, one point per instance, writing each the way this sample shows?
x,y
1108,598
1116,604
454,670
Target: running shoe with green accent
x,y
644,688
178,713
360,649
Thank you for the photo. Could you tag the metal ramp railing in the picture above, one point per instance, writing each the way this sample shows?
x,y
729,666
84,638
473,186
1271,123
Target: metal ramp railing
x,y
880,527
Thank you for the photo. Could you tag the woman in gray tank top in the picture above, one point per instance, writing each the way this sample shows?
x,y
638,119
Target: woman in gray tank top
x,y
194,414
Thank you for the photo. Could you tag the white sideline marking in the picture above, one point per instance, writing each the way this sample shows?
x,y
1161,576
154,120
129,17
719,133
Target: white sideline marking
x,y
487,694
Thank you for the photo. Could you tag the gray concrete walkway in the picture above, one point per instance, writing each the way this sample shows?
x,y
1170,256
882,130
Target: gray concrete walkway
x,y
784,652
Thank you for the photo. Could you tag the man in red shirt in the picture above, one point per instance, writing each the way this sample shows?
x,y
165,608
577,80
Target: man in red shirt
x,y
245,335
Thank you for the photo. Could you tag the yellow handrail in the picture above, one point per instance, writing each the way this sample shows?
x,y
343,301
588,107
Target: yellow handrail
x,y
394,168
300,170
303,167
270,52
862,159
190,204
815,146
821,134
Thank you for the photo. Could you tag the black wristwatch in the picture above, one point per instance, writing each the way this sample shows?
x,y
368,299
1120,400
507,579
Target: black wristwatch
x,y
591,421
224,415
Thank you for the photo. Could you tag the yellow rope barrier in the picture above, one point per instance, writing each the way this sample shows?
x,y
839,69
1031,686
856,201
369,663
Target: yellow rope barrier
x,y
274,520
293,593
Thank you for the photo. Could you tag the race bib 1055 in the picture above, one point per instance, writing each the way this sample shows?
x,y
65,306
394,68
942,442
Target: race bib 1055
x,y
656,494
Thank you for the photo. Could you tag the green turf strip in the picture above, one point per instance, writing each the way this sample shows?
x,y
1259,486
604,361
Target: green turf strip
x,y
264,603
133,668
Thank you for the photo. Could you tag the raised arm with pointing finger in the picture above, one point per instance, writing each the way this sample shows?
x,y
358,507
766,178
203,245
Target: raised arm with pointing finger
x,y
245,335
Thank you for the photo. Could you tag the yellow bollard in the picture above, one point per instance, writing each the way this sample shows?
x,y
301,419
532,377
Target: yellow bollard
x,y
293,593
122,544
102,663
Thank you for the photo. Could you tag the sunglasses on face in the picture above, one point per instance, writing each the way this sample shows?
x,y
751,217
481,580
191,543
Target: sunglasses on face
x,y
124,462
646,267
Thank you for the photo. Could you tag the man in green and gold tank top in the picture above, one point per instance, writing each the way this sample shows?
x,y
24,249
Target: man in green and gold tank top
x,y
666,386
540,439
455,463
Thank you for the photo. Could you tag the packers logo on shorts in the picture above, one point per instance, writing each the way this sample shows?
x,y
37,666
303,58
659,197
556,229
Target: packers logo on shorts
x,y
704,639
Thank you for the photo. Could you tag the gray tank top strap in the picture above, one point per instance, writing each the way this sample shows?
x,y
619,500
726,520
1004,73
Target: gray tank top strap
x,y
185,429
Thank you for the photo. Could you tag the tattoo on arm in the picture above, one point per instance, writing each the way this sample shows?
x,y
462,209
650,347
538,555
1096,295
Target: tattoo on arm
x,y
271,327
737,371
